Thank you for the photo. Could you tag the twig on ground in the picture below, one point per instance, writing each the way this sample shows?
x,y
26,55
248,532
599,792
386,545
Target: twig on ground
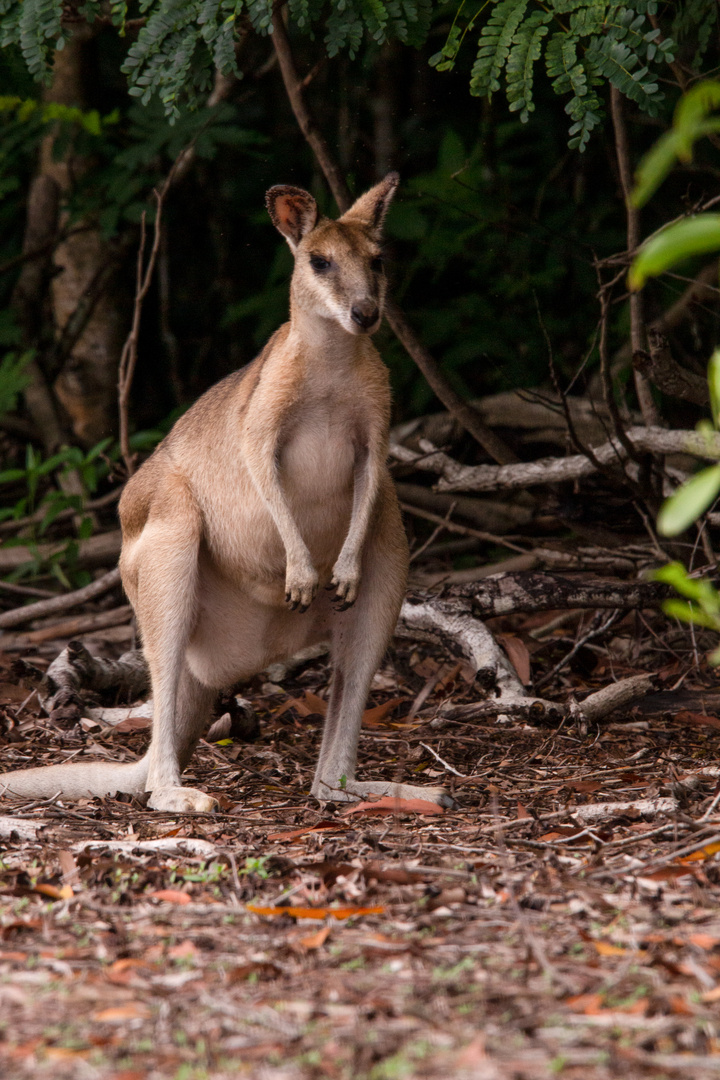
x,y
60,603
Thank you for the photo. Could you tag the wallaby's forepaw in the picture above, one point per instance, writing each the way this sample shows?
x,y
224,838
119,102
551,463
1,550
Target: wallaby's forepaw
x,y
346,582
300,588
352,790
182,800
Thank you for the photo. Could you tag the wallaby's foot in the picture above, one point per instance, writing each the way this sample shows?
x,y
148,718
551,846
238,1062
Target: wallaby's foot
x,y
182,800
300,587
352,790
346,582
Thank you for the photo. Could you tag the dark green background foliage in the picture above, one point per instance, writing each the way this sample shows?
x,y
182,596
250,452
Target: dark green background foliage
x,y
497,219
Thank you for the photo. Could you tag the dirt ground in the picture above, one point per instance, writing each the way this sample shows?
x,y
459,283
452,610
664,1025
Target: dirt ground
x,y
562,921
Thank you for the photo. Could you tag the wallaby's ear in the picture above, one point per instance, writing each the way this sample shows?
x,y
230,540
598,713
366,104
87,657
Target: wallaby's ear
x,y
293,212
370,209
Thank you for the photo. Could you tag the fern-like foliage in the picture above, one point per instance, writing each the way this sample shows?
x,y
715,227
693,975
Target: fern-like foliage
x,y
183,41
586,43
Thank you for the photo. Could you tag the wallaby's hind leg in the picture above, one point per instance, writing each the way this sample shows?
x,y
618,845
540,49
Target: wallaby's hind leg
x,y
160,572
359,638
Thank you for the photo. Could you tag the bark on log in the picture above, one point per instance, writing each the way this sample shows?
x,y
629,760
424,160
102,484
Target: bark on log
x,y
97,551
505,594
65,602
75,671
457,477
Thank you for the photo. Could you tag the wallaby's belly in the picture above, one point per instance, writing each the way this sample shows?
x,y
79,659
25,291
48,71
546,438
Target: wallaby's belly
x,y
244,626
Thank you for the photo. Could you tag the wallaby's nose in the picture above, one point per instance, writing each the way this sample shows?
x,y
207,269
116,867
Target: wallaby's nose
x,y
365,313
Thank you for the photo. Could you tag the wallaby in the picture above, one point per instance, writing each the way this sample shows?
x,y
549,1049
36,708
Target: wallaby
x,y
272,486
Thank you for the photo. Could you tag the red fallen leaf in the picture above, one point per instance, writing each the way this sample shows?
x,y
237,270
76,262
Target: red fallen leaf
x,y
698,719
346,912
14,957
671,873
171,896
116,1014
388,804
375,716
518,655
322,826
133,723
703,941
589,1004
522,812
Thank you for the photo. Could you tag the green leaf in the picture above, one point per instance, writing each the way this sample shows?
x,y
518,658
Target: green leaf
x,y
714,386
693,236
689,613
690,501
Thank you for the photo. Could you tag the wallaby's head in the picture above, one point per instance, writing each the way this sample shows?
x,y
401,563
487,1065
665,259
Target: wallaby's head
x,y
338,264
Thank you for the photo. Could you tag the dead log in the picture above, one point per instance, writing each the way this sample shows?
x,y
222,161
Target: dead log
x,y
505,594
457,477
99,550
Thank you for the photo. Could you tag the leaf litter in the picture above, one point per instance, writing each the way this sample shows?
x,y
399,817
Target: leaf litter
x,y
563,920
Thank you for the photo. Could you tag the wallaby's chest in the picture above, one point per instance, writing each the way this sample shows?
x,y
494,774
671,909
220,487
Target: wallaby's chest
x,y
319,445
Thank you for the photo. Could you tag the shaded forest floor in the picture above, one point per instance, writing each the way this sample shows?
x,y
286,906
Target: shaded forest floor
x,y
564,920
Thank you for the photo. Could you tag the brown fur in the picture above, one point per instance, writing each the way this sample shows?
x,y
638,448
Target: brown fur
x,y
272,487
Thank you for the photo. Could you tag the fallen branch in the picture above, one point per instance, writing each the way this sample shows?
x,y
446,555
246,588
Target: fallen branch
x,y
76,670
81,624
60,603
98,550
505,594
457,477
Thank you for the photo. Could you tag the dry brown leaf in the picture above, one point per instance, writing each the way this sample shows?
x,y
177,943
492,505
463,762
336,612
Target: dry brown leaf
x,y
374,717
132,723
117,1014
306,705
314,941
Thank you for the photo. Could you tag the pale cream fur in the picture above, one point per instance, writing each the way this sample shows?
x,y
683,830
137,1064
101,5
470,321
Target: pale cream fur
x,y
272,487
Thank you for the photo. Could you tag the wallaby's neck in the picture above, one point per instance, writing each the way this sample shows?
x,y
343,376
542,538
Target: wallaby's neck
x,y
326,338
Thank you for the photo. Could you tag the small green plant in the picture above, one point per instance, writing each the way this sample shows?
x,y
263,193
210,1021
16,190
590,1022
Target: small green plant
x,y
693,236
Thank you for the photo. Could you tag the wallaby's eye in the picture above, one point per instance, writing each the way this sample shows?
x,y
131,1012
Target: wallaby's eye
x,y
318,263
377,264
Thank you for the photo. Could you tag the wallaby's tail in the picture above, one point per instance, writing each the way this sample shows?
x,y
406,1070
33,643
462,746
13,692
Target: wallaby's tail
x,y
80,780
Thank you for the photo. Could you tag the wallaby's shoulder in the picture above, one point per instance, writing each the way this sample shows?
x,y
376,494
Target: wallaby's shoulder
x,y
228,398
202,422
